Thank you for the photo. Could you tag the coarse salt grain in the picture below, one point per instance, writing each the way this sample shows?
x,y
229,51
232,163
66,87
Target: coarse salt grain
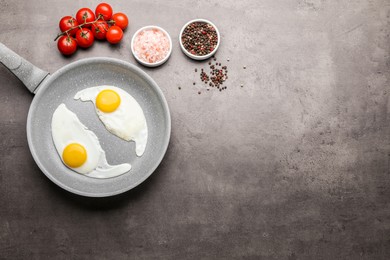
x,y
151,45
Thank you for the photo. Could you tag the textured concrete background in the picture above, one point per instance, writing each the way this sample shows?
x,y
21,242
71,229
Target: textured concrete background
x,y
294,165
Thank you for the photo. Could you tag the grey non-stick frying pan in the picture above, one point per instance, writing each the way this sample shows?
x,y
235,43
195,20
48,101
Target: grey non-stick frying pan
x,y
60,87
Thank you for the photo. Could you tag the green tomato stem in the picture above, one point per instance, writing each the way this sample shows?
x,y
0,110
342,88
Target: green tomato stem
x,y
78,26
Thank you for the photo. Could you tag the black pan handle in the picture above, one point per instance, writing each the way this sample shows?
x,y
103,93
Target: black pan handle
x,y
29,74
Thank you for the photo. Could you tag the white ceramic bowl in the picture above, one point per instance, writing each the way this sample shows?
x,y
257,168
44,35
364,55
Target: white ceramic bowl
x,y
147,63
195,57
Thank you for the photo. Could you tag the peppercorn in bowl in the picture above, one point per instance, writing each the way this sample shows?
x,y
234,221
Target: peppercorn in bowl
x,y
199,39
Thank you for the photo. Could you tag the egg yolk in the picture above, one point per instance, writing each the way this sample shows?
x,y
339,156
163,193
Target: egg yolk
x,y
108,100
74,155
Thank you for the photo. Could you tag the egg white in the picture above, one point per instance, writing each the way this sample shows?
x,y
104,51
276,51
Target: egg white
x,y
66,128
127,121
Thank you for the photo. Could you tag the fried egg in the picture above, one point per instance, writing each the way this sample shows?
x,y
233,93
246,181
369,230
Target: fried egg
x,y
79,148
120,113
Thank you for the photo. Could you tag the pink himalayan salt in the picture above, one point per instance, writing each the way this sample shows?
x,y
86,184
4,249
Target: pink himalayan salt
x,y
151,45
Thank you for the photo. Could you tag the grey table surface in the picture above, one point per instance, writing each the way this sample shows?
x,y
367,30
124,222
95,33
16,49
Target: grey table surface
x,y
294,165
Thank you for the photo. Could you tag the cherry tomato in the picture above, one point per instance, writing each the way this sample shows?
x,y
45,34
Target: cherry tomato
x,y
67,45
120,20
68,22
99,30
85,15
105,10
114,34
84,38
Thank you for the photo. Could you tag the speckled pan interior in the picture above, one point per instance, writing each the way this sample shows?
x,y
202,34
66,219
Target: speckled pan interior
x,y
61,87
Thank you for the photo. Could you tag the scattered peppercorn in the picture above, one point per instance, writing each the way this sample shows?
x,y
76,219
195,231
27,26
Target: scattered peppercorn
x,y
179,88
216,76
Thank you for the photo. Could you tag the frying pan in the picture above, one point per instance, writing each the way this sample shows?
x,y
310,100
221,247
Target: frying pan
x,y
60,87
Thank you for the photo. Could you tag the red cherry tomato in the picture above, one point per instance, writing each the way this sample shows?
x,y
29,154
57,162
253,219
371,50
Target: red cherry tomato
x,y
105,10
114,34
99,30
68,22
120,20
85,15
84,38
67,45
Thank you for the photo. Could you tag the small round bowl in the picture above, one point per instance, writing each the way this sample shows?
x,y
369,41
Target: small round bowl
x,y
147,64
196,57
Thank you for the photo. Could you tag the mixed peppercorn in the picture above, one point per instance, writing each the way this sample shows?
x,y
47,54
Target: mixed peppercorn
x,y
199,38
215,78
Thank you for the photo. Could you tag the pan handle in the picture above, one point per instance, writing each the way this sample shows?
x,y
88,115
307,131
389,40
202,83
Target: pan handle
x,y
30,75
